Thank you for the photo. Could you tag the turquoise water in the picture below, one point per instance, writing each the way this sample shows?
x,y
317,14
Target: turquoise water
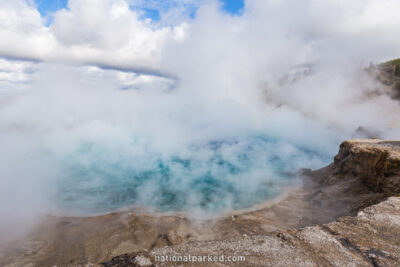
x,y
215,176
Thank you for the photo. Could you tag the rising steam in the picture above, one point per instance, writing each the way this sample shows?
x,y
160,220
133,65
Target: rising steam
x,y
228,108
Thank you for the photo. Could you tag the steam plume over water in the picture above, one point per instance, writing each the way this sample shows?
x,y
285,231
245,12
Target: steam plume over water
x,y
228,108
99,147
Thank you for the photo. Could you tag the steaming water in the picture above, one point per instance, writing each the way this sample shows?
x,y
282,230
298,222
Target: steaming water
x,y
207,178
246,101
89,147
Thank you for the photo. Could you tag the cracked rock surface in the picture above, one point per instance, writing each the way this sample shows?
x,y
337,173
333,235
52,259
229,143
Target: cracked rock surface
x,y
372,238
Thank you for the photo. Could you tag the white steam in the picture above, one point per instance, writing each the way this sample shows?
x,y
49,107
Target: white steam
x,y
288,73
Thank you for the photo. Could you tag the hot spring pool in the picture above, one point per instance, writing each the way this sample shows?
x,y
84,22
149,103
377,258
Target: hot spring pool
x,y
206,178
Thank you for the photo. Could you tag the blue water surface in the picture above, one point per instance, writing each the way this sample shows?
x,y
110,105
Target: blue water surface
x,y
213,177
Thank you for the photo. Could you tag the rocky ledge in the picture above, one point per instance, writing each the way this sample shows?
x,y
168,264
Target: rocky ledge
x,y
346,214
376,163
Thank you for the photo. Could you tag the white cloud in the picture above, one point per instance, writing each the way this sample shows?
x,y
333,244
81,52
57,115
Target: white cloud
x,y
100,32
110,32
106,32
22,31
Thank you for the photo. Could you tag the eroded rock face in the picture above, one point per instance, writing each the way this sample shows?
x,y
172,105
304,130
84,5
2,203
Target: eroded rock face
x,y
375,162
310,226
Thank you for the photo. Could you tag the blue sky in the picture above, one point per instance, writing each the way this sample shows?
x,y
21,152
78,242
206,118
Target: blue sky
x,y
233,6
47,7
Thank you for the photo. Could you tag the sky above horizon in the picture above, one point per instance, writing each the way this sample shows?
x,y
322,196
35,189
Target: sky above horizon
x,y
151,8
120,34
133,34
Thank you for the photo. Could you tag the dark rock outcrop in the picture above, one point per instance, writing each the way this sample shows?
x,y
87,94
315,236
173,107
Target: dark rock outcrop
x,y
388,74
375,162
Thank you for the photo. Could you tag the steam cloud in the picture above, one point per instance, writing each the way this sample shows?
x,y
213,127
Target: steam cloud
x,y
246,99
